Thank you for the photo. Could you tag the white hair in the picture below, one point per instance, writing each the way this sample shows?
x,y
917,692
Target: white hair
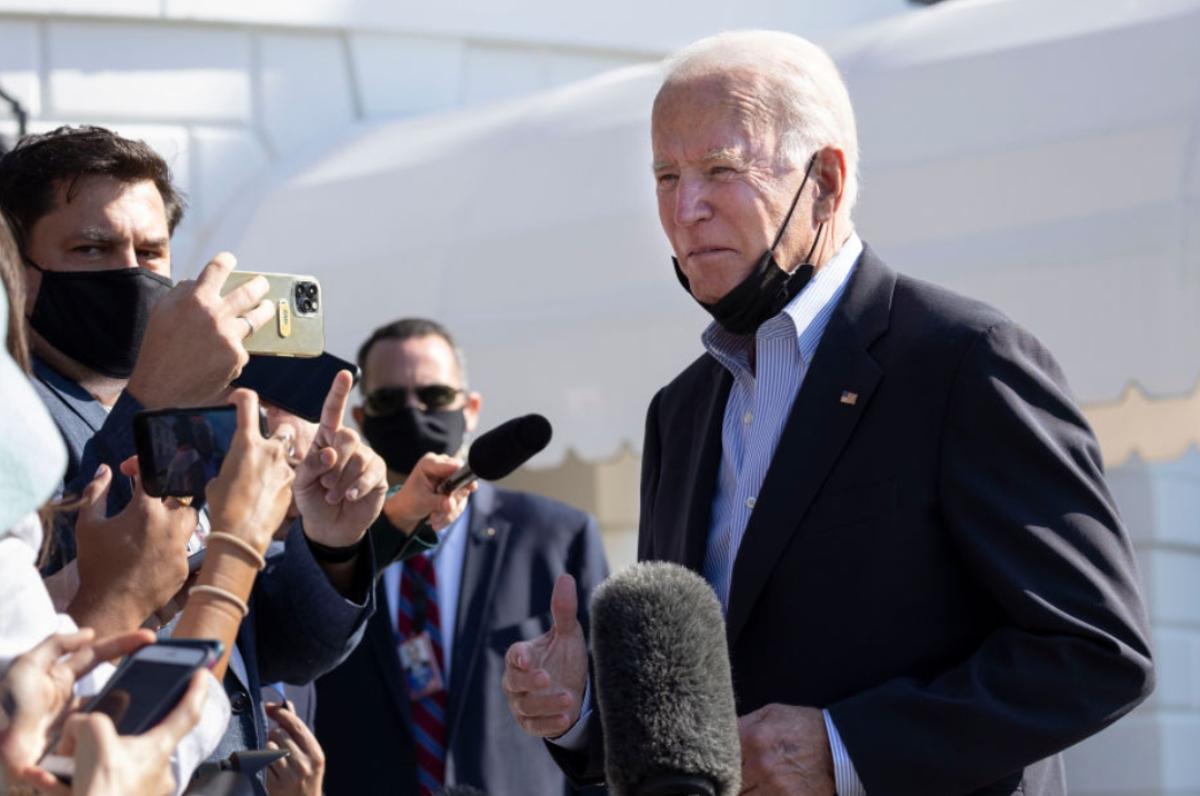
x,y
808,97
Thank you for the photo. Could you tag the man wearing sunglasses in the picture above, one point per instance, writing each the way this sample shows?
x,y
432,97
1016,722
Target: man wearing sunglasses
x,y
416,707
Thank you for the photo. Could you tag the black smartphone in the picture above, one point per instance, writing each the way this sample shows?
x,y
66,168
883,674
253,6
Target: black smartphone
x,y
180,450
146,686
294,384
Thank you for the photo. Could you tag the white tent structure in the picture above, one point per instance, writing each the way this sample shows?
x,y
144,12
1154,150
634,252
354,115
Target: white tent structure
x,y
1040,156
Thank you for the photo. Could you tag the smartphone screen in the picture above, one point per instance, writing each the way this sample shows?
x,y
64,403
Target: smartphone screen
x,y
181,450
295,385
149,684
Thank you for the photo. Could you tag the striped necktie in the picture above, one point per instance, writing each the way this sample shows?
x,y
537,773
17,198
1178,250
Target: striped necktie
x,y
418,594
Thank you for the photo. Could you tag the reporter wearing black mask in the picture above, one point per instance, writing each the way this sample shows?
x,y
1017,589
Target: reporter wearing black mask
x,y
93,215
416,706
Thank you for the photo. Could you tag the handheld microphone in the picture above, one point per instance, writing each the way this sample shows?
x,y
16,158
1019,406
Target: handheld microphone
x,y
500,451
663,685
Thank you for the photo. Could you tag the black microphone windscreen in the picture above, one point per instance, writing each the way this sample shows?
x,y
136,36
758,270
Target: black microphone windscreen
x,y
507,446
662,680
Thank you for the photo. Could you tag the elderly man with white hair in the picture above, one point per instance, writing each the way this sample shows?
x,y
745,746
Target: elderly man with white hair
x,y
927,587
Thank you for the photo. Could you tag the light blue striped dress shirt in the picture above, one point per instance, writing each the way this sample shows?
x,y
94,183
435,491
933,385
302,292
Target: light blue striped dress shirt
x,y
768,370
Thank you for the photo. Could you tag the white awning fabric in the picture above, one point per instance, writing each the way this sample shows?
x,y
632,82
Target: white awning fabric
x,y
1040,156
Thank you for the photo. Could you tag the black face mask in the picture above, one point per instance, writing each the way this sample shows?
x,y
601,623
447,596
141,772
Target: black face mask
x,y
97,318
406,435
767,289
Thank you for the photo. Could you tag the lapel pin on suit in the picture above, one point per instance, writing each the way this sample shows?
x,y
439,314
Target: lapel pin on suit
x,y
849,398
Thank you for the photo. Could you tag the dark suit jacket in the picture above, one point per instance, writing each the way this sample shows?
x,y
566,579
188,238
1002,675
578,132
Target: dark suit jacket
x,y
518,544
938,562
299,626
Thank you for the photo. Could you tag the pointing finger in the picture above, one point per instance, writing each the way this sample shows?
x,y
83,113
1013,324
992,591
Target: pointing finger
x,y
335,406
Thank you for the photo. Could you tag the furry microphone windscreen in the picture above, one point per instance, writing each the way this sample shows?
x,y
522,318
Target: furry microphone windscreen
x,y
662,680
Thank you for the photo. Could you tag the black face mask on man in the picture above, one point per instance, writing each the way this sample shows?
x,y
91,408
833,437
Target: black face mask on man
x,y
404,436
97,318
768,288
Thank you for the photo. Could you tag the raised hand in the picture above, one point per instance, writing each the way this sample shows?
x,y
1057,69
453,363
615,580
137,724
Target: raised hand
x,y
341,483
131,564
544,679
193,346
253,490
38,687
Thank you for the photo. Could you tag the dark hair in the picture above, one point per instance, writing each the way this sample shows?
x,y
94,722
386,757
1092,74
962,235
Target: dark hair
x,y
31,172
407,329
13,278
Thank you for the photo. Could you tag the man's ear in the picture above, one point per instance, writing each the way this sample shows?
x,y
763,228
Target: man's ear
x,y
829,174
356,412
471,410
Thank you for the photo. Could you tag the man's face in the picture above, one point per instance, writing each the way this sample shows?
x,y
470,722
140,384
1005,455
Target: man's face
x,y
413,363
721,193
107,224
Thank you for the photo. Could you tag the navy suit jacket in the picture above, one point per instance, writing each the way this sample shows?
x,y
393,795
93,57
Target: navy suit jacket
x,y
518,544
936,560
299,626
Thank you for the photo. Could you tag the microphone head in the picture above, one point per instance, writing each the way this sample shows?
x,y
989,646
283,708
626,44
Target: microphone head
x,y
507,446
663,683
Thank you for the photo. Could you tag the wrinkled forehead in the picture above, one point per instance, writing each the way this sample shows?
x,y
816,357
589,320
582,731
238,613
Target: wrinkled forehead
x,y
713,111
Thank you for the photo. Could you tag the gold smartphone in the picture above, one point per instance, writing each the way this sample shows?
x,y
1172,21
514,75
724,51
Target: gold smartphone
x,y
298,328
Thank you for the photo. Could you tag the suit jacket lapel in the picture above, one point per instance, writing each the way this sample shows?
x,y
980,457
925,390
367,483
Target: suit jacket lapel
x,y
705,459
487,537
817,429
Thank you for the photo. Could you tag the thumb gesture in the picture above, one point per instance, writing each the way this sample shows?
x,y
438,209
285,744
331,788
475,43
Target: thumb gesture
x,y
544,679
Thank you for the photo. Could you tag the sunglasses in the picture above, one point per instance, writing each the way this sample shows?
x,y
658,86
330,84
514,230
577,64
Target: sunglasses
x,y
431,398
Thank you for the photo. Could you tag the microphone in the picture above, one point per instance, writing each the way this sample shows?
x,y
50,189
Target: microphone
x,y
500,451
663,685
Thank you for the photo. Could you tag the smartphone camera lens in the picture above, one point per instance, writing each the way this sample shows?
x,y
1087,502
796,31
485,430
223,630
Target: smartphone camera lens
x,y
306,297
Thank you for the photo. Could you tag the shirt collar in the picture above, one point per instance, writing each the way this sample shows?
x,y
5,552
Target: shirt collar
x,y
804,317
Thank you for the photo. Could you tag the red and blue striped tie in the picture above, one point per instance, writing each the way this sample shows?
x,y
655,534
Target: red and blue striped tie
x,y
418,583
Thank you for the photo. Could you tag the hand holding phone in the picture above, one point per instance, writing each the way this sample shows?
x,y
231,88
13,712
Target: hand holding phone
x,y
193,344
38,688
161,691
180,450
131,564
297,328
250,496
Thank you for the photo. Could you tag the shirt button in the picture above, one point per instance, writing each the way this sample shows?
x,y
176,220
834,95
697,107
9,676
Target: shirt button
x,y
750,502
239,702
748,418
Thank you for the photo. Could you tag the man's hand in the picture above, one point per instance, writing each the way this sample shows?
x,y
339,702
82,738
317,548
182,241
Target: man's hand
x,y
419,497
302,772
785,751
132,564
544,679
341,483
193,344
38,687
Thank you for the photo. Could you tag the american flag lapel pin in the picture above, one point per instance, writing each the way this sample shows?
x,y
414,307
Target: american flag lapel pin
x,y
849,398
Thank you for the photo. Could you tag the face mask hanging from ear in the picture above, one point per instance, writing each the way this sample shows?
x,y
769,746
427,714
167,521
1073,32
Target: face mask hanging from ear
x,y
767,289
